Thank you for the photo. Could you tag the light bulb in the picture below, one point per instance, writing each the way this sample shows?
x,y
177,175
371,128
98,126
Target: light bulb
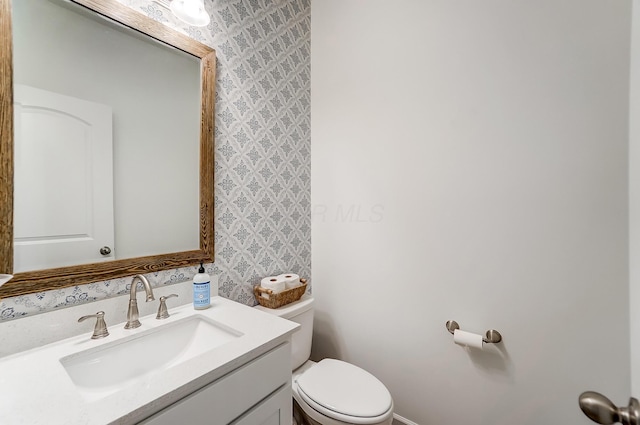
x,y
191,11
191,7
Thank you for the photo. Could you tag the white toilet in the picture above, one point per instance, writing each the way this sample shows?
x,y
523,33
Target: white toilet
x,y
330,392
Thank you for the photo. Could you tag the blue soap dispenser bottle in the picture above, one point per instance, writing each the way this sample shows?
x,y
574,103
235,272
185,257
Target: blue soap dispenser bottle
x,y
201,289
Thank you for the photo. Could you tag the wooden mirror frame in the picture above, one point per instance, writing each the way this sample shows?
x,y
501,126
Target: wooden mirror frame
x,y
48,279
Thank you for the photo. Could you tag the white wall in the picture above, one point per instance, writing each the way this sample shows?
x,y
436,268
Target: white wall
x,y
634,200
469,162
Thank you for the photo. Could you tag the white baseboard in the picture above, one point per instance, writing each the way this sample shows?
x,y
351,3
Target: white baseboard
x,y
405,421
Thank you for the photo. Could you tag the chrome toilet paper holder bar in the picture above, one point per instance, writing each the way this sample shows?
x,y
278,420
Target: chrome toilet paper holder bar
x,y
492,336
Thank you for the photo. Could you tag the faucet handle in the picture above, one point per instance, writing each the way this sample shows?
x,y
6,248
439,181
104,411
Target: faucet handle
x,y
163,313
100,330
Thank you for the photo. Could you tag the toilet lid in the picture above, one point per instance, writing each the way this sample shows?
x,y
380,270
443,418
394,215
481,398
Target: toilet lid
x,y
346,389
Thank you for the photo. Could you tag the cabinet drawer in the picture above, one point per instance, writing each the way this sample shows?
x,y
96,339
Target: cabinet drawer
x,y
225,399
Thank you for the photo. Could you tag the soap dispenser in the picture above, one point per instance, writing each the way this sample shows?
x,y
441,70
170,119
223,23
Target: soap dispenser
x,y
201,289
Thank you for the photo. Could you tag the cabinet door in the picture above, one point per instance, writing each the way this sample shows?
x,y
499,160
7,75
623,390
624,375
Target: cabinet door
x,y
231,396
275,410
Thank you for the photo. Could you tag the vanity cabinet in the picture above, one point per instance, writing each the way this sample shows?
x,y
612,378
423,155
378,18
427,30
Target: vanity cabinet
x,y
256,393
275,410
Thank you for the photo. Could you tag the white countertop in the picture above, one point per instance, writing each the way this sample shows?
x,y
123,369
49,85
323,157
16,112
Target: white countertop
x,y
36,389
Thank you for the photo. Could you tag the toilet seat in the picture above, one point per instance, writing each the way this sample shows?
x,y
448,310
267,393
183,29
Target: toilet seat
x,y
344,392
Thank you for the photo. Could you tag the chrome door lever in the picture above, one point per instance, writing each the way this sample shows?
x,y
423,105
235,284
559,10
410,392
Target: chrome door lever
x,y
601,410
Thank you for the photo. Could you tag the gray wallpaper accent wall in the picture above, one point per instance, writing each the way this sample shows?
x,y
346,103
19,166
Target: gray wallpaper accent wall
x,y
263,148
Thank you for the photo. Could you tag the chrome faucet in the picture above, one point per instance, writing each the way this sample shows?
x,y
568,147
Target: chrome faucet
x,y
132,313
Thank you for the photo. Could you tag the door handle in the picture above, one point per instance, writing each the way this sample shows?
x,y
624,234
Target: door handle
x,y
601,410
105,250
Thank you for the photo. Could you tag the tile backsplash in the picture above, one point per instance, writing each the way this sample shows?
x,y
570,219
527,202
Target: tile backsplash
x,y
262,159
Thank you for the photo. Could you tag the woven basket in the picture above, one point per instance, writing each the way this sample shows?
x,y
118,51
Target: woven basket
x,y
281,298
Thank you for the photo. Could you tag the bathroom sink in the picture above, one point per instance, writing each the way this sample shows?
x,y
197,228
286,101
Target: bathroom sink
x,y
101,371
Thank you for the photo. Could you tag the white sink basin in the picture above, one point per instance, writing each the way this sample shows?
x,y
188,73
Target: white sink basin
x,y
101,371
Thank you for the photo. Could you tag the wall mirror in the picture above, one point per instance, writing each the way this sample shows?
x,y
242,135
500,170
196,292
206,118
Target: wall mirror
x,y
106,144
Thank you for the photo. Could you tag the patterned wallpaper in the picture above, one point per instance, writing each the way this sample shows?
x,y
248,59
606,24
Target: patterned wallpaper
x,y
263,148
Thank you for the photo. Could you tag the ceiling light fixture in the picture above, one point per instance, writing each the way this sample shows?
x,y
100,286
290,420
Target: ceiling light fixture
x,y
191,11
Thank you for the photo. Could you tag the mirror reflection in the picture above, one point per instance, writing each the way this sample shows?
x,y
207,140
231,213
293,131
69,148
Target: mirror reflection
x,y
106,140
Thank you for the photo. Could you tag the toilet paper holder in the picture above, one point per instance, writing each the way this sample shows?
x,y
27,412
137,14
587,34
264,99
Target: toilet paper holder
x,y
492,336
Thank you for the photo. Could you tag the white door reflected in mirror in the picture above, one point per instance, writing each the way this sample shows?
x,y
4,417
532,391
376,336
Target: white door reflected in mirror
x,y
63,212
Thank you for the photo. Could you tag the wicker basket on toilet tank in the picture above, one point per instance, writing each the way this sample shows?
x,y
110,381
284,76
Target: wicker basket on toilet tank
x,y
268,299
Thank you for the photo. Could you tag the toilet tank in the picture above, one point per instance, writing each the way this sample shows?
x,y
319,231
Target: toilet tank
x,y
301,312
